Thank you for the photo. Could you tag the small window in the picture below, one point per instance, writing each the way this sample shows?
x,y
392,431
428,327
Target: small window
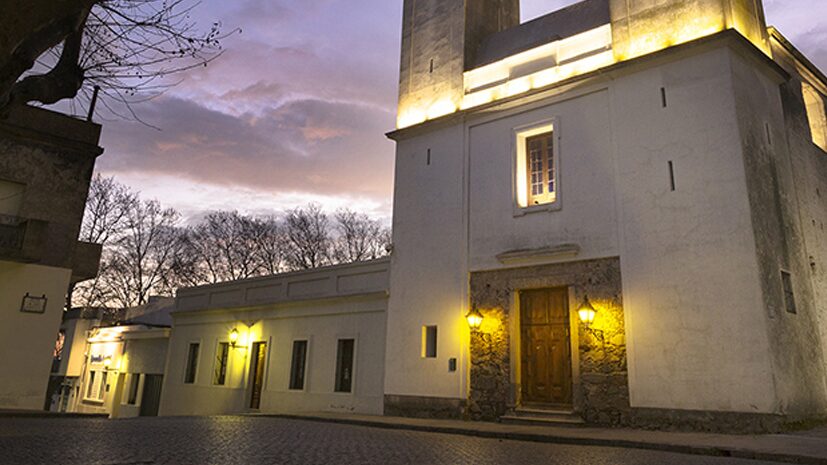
x,y
134,382
429,341
816,115
789,296
297,367
537,176
90,384
221,353
96,387
344,365
192,363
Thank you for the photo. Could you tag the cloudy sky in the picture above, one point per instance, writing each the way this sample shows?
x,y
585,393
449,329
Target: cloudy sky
x,y
297,107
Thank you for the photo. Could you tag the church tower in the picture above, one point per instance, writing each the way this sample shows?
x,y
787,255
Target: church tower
x,y
644,26
439,39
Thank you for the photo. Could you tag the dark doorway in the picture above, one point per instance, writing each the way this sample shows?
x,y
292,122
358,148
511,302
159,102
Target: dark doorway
x,y
546,351
151,399
257,373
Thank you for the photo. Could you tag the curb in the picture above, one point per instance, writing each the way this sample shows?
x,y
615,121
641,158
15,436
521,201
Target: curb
x,y
39,414
575,441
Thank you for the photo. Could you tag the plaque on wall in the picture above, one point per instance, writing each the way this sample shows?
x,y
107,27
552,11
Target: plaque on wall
x,y
33,304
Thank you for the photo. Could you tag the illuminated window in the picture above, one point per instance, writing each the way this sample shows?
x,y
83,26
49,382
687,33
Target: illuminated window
x,y
344,365
297,367
192,363
96,385
537,174
429,341
220,374
816,114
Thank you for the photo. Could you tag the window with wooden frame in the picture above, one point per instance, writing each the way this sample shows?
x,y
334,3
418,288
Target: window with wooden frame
x,y
344,365
132,392
221,356
537,166
96,385
192,363
298,365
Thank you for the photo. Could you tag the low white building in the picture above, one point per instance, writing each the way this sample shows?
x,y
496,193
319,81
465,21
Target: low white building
x,y
307,341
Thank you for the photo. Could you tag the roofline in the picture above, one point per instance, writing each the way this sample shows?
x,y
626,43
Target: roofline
x,y
723,36
290,274
789,47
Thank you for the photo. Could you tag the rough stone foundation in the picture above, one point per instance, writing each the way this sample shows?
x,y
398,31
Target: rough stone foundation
x,y
601,391
424,407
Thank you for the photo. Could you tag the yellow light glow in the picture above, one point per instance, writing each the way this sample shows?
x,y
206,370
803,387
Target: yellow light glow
x,y
587,312
234,337
441,108
107,361
474,318
410,117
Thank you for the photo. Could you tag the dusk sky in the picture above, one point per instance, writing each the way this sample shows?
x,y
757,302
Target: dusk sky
x,y
297,108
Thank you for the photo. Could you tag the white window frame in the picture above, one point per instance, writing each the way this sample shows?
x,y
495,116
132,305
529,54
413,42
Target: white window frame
x,y
227,368
305,386
198,363
127,389
519,175
353,369
100,393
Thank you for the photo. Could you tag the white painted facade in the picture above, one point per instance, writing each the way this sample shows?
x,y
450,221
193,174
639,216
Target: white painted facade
x,y
321,307
700,333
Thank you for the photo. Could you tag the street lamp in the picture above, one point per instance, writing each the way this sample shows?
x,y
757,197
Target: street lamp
x,y
587,312
474,318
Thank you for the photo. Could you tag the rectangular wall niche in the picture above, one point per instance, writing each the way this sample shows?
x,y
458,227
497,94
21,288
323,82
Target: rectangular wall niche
x,y
429,341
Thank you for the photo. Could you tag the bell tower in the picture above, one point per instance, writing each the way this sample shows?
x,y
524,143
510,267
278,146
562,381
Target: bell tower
x,y
439,38
643,26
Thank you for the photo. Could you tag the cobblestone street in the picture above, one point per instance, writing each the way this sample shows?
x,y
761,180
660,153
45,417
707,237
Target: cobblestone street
x,y
253,441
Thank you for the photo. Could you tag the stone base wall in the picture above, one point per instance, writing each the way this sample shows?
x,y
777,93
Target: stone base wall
x,y
424,407
717,422
600,381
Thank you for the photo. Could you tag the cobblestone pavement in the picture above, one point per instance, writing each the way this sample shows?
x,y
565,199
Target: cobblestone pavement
x,y
254,441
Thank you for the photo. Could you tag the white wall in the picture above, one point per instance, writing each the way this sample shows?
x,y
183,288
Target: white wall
x,y
429,278
321,323
695,319
27,340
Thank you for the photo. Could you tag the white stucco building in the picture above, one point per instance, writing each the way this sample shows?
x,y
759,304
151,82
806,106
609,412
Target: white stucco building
x,y
665,159
307,341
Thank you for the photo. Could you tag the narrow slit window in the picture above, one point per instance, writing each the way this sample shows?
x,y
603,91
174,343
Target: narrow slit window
x,y
672,176
192,363
429,341
663,97
298,365
789,295
344,365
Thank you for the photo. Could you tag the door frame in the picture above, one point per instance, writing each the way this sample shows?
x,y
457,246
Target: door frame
x,y
514,330
248,398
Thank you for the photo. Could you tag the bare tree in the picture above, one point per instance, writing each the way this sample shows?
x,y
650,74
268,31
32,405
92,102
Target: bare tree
x,y
359,237
308,237
271,246
225,246
123,46
107,206
140,263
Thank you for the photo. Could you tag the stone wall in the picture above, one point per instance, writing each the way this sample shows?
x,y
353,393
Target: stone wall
x,y
601,392
424,407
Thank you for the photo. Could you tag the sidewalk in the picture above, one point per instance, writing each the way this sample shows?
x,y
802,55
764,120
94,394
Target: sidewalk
x,y
809,447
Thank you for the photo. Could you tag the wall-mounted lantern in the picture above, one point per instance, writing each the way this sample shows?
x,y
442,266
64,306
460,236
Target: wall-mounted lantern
x,y
107,362
587,312
233,337
474,318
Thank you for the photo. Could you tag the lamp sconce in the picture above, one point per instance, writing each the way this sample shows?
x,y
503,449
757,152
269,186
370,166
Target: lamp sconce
x,y
587,313
474,318
107,363
233,337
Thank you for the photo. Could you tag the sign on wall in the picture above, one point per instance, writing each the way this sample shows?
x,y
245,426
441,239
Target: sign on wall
x,y
33,304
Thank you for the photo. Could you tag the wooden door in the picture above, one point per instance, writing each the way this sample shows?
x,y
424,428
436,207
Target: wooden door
x,y
257,374
545,348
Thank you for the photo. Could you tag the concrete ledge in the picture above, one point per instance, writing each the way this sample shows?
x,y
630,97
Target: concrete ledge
x,y
799,449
